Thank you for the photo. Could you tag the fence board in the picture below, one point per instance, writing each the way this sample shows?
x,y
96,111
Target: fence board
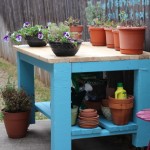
x,y
13,13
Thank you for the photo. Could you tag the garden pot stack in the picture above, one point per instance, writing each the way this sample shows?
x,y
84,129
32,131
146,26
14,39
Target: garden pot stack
x,y
88,118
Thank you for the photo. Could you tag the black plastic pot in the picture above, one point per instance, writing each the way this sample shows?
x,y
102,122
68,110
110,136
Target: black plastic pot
x,y
35,41
65,49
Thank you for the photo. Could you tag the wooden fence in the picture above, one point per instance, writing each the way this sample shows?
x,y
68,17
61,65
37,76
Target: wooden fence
x,y
13,13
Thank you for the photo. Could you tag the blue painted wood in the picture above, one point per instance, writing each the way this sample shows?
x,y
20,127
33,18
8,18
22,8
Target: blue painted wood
x,y
106,66
142,101
78,133
131,126
61,107
60,98
44,107
26,81
36,62
103,132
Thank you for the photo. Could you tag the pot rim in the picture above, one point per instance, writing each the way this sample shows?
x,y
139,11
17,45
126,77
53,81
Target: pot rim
x,y
132,28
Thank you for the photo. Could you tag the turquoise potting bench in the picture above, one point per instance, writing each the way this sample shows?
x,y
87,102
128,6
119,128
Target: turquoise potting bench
x,y
88,59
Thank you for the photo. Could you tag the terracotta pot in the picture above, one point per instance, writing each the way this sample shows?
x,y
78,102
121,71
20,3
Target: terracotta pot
x,y
88,118
95,118
78,28
88,113
109,38
97,36
121,110
116,40
77,31
16,124
131,40
94,105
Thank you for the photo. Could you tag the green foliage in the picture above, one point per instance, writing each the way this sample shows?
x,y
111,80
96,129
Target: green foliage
x,y
57,33
130,22
15,100
26,31
72,21
95,15
111,24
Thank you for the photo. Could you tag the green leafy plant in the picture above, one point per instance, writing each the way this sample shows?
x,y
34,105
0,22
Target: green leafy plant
x,y
111,24
15,100
72,21
95,15
130,22
27,30
60,33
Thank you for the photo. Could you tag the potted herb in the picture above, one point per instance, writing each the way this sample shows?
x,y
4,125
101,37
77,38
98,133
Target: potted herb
x,y
61,40
34,35
16,111
95,16
75,27
131,34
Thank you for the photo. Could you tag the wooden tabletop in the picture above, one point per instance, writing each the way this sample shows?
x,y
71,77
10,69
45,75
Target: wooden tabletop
x,y
86,53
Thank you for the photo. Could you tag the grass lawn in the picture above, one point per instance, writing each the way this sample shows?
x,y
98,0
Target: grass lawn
x,y
41,92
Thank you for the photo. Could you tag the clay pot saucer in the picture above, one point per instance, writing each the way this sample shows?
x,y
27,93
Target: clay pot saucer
x,y
88,125
87,118
88,113
88,122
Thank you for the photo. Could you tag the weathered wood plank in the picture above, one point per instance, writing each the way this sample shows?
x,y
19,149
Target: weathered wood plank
x,y
13,13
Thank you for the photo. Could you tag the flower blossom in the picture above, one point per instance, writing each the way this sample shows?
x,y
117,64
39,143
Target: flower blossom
x,y
6,38
66,35
40,35
26,24
18,38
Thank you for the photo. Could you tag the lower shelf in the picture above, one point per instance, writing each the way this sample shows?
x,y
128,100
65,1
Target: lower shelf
x,y
106,127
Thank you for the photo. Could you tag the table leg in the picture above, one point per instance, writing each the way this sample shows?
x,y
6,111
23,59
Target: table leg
x,y
142,100
26,81
61,106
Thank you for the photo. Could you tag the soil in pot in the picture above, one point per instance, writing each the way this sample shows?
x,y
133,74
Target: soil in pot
x,y
109,38
16,124
35,41
121,110
132,40
97,36
116,40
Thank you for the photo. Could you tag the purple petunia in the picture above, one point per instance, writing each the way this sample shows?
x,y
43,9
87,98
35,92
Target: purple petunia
x,y
26,24
6,38
66,35
40,35
18,38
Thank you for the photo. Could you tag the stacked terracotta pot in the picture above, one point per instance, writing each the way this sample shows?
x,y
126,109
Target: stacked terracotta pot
x,y
121,109
88,118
